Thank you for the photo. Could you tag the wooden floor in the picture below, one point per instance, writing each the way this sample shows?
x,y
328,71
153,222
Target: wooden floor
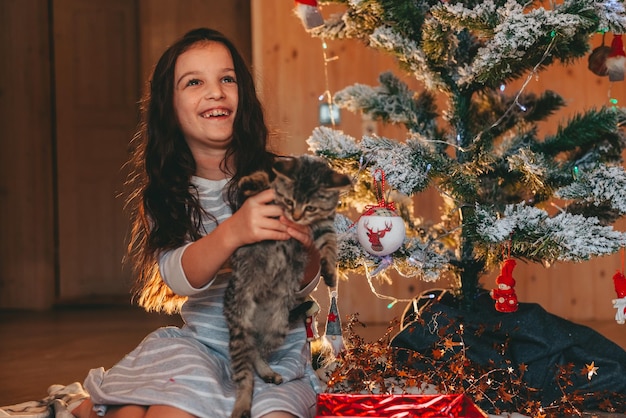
x,y
38,349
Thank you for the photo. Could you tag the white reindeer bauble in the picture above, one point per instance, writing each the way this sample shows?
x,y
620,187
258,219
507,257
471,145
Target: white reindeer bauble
x,y
380,231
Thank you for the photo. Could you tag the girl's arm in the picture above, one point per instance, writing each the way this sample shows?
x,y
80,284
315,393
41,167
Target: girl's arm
x,y
256,220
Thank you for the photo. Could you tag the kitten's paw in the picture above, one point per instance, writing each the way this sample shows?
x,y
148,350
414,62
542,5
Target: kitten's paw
x,y
301,310
265,372
254,183
328,272
240,414
275,378
242,407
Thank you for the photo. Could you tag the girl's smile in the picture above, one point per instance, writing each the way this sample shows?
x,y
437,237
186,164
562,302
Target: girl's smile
x,y
206,97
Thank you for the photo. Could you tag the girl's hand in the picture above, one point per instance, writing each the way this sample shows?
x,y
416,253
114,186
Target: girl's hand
x,y
258,220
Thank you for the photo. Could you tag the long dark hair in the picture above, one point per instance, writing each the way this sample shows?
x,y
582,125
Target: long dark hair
x,y
165,210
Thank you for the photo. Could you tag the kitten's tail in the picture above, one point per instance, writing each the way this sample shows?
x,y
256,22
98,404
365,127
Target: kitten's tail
x,y
243,376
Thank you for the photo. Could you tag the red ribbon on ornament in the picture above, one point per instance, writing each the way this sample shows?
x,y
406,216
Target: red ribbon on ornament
x,y
506,255
379,192
379,188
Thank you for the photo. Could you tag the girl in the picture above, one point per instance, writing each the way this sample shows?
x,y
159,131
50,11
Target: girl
x,y
202,130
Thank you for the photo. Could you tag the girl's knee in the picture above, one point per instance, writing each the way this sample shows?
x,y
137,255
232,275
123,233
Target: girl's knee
x,y
279,414
85,410
160,411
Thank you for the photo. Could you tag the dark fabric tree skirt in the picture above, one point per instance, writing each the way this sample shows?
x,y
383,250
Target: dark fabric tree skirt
x,y
529,336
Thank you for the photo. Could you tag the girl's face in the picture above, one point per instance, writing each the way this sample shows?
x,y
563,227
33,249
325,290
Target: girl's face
x,y
206,96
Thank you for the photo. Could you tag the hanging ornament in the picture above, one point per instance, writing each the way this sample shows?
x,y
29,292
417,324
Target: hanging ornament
x,y
597,59
619,281
504,295
310,321
620,303
333,335
616,60
380,230
309,14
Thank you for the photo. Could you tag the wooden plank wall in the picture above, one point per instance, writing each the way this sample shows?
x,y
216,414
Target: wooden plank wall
x,y
70,82
291,70
291,74
95,81
162,21
27,257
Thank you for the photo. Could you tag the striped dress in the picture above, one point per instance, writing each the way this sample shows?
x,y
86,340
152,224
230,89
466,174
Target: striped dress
x,y
189,367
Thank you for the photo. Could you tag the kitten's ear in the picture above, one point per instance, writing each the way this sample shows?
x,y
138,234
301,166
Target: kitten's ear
x,y
284,166
340,181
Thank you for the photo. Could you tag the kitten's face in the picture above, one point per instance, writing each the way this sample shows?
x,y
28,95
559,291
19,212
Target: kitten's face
x,y
307,189
305,206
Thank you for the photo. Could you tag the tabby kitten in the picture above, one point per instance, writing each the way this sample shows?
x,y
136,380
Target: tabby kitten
x,y
266,275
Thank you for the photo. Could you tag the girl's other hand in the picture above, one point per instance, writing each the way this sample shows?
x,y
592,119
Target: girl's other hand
x,y
299,232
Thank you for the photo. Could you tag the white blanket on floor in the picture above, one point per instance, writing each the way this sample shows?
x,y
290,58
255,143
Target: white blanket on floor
x,y
58,404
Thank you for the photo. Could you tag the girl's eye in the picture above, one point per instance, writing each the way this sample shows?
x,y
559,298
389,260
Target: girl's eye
x,y
229,79
193,82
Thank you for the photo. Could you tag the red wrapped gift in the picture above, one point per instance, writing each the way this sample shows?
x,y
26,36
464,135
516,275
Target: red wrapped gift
x,y
396,406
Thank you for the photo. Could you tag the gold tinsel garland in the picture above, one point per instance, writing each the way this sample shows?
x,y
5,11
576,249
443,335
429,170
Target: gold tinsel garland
x,y
378,368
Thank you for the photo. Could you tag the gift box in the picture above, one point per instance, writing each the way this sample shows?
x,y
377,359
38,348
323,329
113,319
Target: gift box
x,y
396,406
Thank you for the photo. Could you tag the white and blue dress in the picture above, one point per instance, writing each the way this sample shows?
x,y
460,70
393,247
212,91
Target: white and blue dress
x,y
189,367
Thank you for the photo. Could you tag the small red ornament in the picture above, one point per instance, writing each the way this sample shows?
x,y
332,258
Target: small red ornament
x,y
504,294
620,303
310,322
619,280
616,60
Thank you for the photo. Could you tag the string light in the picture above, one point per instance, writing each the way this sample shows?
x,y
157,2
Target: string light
x,y
612,100
327,94
370,275
532,74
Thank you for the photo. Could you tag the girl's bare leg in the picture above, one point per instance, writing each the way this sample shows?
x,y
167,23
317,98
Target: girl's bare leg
x,y
85,410
162,411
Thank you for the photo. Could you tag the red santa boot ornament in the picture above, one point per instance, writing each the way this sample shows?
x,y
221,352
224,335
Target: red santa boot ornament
x,y
616,60
504,294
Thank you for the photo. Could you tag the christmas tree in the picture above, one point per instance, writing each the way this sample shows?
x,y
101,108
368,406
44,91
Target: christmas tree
x,y
482,152
509,193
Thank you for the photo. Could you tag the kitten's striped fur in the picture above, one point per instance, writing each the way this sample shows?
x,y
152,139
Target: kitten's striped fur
x,y
267,275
